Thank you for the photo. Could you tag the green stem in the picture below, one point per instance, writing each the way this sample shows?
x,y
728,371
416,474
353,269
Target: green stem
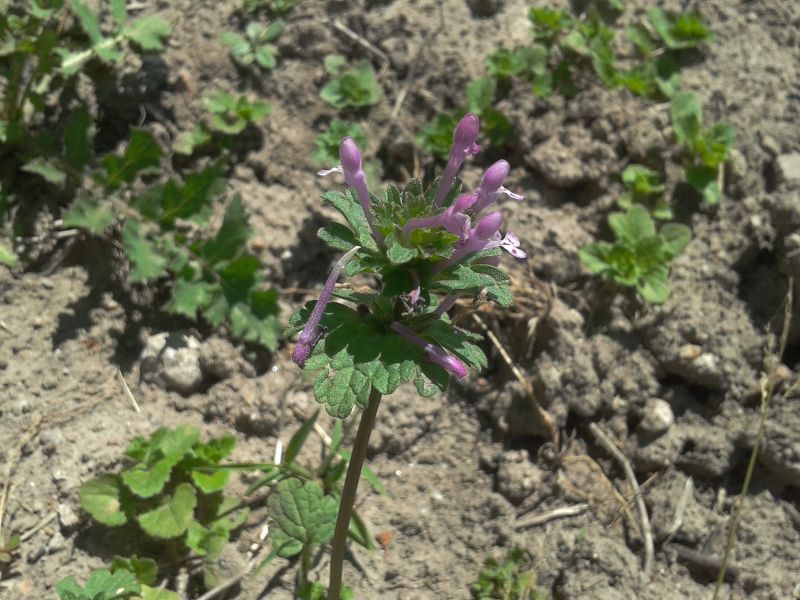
x,y
349,494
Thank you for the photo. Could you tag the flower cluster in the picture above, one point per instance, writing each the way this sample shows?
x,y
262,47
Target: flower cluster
x,y
423,244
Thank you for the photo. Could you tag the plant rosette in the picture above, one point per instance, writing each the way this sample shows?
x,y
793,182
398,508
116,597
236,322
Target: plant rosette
x,y
427,248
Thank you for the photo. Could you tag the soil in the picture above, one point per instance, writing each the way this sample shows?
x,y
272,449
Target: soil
x,y
464,472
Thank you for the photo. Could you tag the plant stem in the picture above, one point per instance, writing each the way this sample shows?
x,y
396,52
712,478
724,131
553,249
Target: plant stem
x,y
349,493
767,391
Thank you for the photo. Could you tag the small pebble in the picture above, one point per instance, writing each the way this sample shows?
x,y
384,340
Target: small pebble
x,y
67,516
657,417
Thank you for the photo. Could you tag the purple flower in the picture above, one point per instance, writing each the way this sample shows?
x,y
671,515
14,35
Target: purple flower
x,y
454,218
463,145
311,332
355,177
435,354
491,186
485,235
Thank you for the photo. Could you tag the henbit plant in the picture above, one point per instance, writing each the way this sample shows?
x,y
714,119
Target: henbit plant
x,y
510,579
254,46
327,142
170,494
426,248
707,150
117,584
641,255
350,88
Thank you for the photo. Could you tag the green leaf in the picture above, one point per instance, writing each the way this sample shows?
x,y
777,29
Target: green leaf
x,y
303,516
470,277
633,225
654,286
7,256
299,438
337,236
151,593
704,180
118,11
640,37
189,296
351,210
101,585
146,481
148,32
101,498
480,93
187,142
78,134
232,236
678,31
687,117
265,57
676,237
334,64
144,569
327,143
46,168
86,214
88,21
595,257
239,46
148,262
142,153
172,518
353,88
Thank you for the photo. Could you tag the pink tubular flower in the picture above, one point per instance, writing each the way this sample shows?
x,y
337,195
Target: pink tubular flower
x,y
485,235
355,177
311,332
454,218
435,354
463,145
491,186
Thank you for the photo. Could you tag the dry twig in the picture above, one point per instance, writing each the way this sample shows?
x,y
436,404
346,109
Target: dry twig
x,y
558,513
128,391
647,533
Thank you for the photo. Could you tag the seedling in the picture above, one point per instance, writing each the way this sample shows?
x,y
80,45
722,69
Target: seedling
x,y
9,550
510,579
351,88
679,31
231,115
170,495
426,247
148,33
272,7
327,143
706,149
640,255
254,46
303,503
117,584
644,187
